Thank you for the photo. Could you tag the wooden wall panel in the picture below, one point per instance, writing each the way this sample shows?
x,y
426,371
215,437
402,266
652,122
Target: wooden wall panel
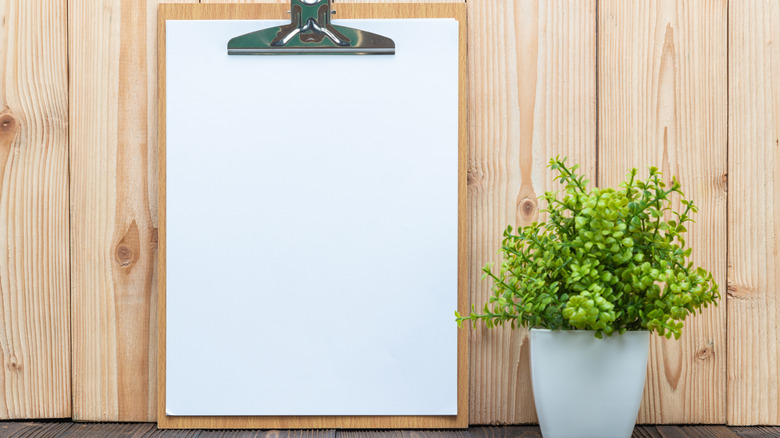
x,y
662,101
532,85
754,213
113,116
662,84
114,208
34,271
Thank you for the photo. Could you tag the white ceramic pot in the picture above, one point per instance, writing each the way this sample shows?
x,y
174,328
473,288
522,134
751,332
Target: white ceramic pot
x,y
588,387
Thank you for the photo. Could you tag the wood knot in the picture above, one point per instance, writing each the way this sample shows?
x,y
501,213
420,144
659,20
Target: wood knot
x,y
155,238
14,364
723,182
740,292
706,352
9,124
128,246
474,176
124,255
526,209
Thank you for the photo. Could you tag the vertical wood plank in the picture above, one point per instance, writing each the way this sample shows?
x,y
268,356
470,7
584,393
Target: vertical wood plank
x,y
34,259
754,166
662,101
113,118
532,91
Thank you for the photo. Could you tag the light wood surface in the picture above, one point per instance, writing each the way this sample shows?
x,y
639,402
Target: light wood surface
x,y
754,213
532,91
662,102
34,250
113,171
274,11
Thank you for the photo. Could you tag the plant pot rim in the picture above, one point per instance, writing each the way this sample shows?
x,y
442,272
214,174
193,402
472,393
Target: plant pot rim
x,y
544,330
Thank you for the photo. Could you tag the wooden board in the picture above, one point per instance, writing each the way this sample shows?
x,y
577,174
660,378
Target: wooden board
x,y
662,102
757,432
322,433
34,254
754,213
97,430
33,430
113,119
695,432
472,432
532,91
205,12
68,429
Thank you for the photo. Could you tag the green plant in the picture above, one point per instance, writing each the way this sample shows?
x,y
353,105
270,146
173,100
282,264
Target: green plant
x,y
605,260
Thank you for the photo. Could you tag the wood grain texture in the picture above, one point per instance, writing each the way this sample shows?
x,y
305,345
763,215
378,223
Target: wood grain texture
x,y
472,432
33,430
703,431
405,433
754,213
113,192
174,433
695,432
757,432
325,433
114,430
408,10
34,250
662,102
57,429
532,96
506,432
645,432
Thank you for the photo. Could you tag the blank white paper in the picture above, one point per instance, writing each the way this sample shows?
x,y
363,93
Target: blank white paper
x,y
312,225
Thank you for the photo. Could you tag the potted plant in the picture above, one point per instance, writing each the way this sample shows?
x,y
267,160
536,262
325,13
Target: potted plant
x,y
605,270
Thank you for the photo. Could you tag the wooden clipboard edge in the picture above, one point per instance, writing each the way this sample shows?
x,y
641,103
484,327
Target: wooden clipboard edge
x,y
345,10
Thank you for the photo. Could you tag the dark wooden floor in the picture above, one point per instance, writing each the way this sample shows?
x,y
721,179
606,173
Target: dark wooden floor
x,y
51,429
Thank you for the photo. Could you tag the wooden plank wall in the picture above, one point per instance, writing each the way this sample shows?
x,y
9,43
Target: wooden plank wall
x,y
691,86
34,249
754,213
113,157
532,85
662,101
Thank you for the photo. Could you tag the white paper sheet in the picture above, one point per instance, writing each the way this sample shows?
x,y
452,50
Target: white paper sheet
x,y
312,225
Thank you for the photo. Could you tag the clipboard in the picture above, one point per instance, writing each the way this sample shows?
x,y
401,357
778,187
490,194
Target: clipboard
x,y
344,11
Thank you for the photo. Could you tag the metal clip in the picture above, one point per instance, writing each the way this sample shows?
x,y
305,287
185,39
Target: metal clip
x,y
310,32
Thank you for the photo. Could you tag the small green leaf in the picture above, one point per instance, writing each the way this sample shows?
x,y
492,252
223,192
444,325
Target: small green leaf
x,y
600,261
